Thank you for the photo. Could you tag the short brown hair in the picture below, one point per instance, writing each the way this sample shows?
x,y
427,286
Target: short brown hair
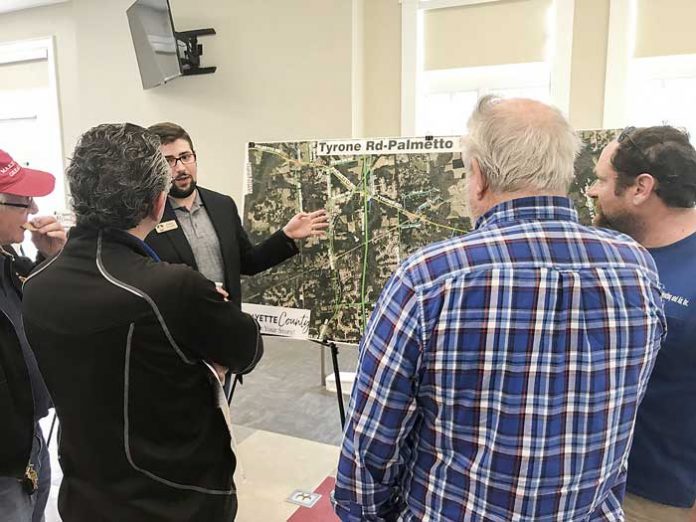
x,y
169,132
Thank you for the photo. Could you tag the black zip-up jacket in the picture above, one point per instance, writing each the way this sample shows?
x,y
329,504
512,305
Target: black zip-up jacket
x,y
121,341
16,403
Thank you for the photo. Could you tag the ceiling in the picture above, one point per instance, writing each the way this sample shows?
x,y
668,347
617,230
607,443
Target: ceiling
x,y
16,5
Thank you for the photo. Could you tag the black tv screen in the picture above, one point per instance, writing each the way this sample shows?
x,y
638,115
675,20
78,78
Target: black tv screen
x,y
152,30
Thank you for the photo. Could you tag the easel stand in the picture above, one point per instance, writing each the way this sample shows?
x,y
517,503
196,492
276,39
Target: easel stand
x,y
331,345
229,388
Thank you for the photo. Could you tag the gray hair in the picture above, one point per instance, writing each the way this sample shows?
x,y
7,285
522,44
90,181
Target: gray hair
x,y
517,150
115,175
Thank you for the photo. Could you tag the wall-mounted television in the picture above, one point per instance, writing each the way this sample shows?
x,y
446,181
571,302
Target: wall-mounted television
x,y
154,39
163,53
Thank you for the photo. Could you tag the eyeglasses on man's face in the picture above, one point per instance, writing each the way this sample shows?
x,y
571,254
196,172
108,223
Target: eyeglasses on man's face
x,y
186,159
18,204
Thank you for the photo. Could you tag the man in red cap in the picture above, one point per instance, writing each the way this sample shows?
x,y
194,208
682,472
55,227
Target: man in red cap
x,y
25,472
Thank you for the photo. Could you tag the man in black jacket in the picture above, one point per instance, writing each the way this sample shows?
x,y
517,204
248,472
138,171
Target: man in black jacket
x,y
25,470
126,343
202,228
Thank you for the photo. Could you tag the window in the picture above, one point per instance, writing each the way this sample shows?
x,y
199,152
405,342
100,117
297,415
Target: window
x,y
662,90
29,118
450,58
449,96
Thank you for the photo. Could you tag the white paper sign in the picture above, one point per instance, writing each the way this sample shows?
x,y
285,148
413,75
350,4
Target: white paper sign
x,y
277,320
388,146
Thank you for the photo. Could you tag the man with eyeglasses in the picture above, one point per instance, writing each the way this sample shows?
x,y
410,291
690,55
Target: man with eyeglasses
x,y
202,228
25,470
646,188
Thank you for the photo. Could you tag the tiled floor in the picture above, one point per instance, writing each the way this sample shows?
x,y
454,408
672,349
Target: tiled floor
x,y
287,431
284,393
273,466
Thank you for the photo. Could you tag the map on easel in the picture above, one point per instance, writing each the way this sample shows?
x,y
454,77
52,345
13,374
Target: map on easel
x,y
386,198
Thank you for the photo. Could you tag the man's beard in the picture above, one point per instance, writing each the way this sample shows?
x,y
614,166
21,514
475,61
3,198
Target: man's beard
x,y
600,219
179,193
621,222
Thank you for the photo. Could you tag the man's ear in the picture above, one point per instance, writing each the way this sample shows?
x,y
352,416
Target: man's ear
x,y
479,183
158,207
644,186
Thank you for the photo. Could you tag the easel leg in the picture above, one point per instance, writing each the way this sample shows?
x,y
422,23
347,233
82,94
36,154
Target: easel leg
x,y
322,349
337,375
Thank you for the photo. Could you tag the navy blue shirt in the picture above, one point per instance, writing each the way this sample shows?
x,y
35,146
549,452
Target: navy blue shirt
x,y
662,463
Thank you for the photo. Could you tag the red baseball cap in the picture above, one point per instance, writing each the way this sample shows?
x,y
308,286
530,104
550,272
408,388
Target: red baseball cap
x,y
21,181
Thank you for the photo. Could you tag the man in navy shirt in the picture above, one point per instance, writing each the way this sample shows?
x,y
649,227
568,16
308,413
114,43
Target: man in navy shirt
x,y
646,187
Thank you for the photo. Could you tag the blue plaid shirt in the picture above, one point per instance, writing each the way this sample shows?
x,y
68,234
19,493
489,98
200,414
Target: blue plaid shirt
x,y
500,372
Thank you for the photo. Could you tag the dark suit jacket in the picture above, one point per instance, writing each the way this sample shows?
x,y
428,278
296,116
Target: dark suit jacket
x,y
121,341
239,255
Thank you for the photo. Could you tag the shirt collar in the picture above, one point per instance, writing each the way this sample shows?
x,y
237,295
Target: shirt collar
x,y
533,208
148,249
134,241
115,234
197,203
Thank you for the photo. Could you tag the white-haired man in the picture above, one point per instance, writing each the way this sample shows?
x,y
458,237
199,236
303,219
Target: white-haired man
x,y
25,470
500,372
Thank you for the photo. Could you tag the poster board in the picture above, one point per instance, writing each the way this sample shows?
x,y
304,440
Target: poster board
x,y
386,198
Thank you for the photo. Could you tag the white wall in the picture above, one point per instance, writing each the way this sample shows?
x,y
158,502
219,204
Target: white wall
x,y
284,72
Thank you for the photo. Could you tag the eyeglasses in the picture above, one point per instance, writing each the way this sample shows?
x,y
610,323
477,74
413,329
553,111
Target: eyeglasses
x,y
626,136
186,159
19,205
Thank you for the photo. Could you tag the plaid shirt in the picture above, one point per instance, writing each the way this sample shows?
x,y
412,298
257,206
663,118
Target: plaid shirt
x,y
500,372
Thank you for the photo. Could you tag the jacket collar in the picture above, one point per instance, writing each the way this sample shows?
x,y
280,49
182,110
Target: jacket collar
x,y
177,237
536,208
218,211
115,235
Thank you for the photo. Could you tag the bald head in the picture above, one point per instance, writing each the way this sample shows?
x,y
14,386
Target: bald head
x,y
528,113
522,145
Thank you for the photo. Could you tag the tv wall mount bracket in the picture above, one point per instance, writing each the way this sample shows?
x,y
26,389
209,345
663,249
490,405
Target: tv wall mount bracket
x,y
191,60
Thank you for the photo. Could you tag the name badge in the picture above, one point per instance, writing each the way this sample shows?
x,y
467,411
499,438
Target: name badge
x,y
166,226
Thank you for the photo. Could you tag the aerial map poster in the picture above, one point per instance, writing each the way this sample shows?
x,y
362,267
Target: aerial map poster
x,y
385,197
